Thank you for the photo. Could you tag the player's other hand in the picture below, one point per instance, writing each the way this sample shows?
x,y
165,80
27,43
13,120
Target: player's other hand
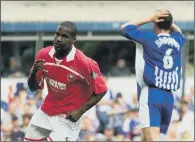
x,y
74,115
158,15
38,65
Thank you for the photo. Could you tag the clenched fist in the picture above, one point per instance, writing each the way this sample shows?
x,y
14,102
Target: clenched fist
x,y
38,65
74,115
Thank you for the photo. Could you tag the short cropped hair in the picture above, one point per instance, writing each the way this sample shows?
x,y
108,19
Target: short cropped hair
x,y
71,26
166,24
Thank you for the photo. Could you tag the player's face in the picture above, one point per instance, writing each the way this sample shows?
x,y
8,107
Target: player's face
x,y
63,41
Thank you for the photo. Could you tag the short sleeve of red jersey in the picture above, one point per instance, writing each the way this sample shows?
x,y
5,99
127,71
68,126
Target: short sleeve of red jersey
x,y
39,74
94,77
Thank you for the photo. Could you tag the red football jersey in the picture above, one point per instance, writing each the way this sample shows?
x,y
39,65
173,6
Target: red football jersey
x,y
70,82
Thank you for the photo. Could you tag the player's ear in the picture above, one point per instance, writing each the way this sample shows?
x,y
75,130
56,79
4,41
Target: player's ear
x,y
74,39
154,25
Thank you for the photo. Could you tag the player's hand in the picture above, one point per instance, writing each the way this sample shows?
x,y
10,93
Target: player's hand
x,y
158,15
38,65
74,115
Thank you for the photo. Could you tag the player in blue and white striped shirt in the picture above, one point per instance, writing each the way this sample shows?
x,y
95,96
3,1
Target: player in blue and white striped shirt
x,y
158,71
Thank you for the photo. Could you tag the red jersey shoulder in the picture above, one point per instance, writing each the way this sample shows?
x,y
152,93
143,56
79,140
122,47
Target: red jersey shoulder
x,y
83,60
80,58
44,51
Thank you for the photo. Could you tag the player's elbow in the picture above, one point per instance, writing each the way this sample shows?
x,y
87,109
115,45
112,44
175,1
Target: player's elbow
x,y
122,27
126,24
32,89
102,94
32,86
180,31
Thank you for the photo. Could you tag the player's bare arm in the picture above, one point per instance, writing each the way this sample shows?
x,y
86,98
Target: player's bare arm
x,y
32,82
155,18
93,100
175,28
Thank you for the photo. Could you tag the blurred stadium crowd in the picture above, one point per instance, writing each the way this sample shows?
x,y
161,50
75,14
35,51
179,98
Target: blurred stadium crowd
x,y
111,120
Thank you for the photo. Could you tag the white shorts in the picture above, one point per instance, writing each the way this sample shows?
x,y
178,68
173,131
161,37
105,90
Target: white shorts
x,y
155,108
52,128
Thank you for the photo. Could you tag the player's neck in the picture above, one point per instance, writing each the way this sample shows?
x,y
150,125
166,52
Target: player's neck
x,y
163,32
61,55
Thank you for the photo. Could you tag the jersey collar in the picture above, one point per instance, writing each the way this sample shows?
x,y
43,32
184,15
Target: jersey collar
x,y
163,34
69,57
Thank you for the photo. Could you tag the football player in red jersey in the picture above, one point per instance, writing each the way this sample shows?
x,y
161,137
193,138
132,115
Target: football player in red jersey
x,y
74,82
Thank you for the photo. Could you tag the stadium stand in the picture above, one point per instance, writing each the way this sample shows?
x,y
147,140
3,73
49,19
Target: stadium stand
x,y
19,11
